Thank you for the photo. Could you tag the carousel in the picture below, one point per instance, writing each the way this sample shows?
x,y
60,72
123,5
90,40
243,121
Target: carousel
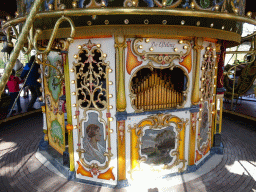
x,y
131,89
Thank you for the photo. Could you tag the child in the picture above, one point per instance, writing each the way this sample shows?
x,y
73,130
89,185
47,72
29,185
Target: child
x,y
13,86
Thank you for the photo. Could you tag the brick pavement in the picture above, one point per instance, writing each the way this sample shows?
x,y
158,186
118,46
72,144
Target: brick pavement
x,y
21,171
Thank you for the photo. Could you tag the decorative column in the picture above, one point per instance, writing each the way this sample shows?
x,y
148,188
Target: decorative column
x,y
69,111
120,46
219,97
121,115
196,70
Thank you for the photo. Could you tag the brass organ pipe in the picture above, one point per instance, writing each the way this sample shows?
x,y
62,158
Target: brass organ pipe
x,y
154,97
148,93
168,97
157,102
138,97
141,101
171,97
150,98
176,100
164,100
165,96
162,96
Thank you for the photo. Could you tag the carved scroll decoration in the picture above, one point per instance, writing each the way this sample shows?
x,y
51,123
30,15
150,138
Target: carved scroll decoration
x,y
91,76
161,57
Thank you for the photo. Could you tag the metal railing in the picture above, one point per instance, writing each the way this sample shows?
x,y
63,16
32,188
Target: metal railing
x,y
10,112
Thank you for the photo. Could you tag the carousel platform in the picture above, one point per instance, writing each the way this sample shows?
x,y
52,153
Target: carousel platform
x,y
23,102
24,168
244,107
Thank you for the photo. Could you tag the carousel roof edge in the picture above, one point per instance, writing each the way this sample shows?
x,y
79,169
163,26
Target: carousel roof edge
x,y
135,11
147,31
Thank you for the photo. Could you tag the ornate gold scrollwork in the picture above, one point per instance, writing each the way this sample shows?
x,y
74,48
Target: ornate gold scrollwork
x,y
158,122
161,57
54,33
32,38
207,81
91,76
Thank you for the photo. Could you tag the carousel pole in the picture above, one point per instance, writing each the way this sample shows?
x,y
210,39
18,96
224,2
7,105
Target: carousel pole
x,y
21,40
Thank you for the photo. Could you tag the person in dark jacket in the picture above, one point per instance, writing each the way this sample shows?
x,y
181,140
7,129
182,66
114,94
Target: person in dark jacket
x,y
31,82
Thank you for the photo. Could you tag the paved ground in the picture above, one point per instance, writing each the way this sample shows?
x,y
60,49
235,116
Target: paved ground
x,y
21,171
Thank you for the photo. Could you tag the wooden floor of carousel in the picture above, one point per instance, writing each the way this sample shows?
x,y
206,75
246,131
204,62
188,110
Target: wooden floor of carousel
x,y
21,170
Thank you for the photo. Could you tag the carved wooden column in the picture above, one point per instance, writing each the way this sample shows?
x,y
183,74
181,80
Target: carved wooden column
x,y
120,45
196,71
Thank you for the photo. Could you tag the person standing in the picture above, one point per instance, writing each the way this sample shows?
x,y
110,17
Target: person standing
x,y
13,86
31,82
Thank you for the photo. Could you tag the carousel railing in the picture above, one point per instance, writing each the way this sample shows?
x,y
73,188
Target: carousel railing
x,y
10,112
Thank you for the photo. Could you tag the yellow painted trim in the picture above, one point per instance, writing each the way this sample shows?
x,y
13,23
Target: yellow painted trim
x,y
192,141
182,143
121,152
134,150
69,113
220,120
239,114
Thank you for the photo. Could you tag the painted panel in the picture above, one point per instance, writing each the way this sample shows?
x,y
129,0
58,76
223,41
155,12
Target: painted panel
x,y
92,64
53,90
158,144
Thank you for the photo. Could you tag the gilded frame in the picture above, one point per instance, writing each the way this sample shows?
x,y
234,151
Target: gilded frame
x,y
158,121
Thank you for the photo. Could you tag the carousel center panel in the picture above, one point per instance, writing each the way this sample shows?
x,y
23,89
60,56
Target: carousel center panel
x,y
92,77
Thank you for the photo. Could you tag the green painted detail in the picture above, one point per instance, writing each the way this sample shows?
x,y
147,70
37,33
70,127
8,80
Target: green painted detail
x,y
54,84
204,3
56,132
169,2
